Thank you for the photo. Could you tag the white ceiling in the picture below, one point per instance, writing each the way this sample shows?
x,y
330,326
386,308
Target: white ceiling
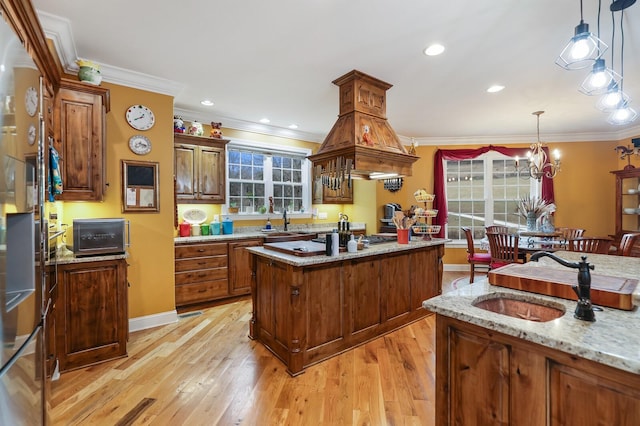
x,y
277,59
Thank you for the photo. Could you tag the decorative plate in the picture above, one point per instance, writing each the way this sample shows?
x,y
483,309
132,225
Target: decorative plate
x,y
194,216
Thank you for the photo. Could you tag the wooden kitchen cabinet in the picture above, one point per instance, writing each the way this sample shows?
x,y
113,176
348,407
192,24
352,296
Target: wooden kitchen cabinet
x,y
199,165
627,197
79,137
485,377
239,266
324,195
306,314
91,313
201,273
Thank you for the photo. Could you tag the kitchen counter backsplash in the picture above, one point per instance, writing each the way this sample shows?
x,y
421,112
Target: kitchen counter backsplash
x,y
242,232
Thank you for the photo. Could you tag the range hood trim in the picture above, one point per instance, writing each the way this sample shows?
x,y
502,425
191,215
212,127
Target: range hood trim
x,y
374,150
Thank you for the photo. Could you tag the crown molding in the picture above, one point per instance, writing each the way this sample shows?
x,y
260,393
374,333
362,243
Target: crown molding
x,y
59,31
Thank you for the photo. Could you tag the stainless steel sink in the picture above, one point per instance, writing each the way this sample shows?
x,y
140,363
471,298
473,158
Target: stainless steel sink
x,y
520,306
277,237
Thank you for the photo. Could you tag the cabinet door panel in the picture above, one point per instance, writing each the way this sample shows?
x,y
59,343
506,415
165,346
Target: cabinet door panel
x,y
239,270
365,294
185,160
479,372
396,286
211,174
93,313
79,140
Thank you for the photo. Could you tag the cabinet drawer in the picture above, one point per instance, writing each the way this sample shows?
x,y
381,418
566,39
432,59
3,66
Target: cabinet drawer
x,y
200,250
201,275
201,263
200,292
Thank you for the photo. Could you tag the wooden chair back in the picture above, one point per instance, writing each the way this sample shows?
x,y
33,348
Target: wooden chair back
x,y
630,245
503,247
497,229
475,260
599,245
570,233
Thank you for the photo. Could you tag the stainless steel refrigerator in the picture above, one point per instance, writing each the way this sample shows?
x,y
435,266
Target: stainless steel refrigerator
x,y
22,308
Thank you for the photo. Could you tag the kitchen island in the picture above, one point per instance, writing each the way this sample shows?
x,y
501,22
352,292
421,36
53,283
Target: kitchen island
x,y
309,308
496,369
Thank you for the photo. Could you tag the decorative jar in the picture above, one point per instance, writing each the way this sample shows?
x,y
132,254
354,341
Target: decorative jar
x,y
89,72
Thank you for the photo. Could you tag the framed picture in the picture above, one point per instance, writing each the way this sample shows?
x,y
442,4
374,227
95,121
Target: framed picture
x,y
140,186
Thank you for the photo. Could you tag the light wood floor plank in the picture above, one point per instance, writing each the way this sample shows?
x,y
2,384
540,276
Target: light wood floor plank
x,y
204,370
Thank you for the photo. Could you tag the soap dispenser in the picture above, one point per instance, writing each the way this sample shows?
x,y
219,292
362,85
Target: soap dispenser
x,y
352,245
268,225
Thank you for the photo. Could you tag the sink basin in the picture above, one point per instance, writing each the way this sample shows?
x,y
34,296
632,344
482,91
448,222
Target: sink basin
x,y
520,306
277,237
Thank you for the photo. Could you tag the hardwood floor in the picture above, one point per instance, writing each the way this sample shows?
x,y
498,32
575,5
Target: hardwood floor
x,y
204,370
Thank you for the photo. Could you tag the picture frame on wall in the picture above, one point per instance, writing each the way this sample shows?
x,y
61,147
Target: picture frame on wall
x,y
140,186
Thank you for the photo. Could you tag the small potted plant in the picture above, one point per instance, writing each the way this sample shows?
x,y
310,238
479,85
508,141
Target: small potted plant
x,y
233,207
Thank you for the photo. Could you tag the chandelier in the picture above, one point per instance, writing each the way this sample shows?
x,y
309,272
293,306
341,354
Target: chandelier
x,y
537,160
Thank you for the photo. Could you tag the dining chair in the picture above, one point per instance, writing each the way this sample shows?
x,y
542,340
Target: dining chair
x,y
599,245
497,229
569,234
475,260
630,245
504,249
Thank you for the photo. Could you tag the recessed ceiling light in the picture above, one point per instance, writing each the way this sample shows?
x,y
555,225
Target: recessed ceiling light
x,y
206,102
434,50
265,120
293,126
495,88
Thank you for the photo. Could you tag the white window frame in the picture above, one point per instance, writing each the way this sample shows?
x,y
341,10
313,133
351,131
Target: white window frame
x,y
268,150
535,187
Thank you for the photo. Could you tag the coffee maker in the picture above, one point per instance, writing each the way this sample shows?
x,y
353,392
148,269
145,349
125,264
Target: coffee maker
x,y
389,210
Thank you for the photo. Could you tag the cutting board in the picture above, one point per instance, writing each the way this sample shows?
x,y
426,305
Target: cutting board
x,y
614,292
297,248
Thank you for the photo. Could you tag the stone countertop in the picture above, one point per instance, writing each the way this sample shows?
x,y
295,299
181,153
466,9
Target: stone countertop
x,y
616,266
611,340
66,257
244,232
373,250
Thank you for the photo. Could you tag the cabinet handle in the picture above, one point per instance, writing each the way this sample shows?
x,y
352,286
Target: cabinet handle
x,y
200,250
202,291
202,275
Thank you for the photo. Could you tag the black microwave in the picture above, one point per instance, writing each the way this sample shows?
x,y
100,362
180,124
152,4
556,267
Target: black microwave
x,y
94,237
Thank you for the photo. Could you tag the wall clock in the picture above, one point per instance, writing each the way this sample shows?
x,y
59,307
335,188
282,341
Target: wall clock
x,y
140,117
139,144
31,134
31,101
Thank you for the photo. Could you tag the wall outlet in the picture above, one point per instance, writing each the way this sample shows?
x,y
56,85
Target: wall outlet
x,y
322,215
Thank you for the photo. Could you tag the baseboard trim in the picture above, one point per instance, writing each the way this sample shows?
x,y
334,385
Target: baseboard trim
x,y
154,320
456,267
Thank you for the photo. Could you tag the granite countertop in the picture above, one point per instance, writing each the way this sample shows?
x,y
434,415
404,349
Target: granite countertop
x,y
611,340
373,250
244,232
67,257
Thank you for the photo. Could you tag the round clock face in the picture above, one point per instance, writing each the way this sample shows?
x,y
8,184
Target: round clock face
x,y
140,117
31,101
140,145
31,134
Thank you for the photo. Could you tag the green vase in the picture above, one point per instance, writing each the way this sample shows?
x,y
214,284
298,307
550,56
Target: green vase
x,y
90,75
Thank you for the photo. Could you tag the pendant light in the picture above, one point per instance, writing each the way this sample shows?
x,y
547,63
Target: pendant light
x,y
583,48
615,101
601,77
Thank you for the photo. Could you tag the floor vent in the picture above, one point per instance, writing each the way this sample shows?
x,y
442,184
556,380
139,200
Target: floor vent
x,y
190,314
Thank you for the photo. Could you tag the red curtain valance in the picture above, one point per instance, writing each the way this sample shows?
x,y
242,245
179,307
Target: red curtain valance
x,y
440,202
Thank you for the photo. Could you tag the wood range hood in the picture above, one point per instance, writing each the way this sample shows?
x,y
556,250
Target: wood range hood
x,y
361,143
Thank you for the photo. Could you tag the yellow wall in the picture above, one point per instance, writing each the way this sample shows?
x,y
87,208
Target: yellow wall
x,y
151,263
584,189
584,195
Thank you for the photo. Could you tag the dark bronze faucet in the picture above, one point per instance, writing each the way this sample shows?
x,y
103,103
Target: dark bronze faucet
x,y
584,310
286,221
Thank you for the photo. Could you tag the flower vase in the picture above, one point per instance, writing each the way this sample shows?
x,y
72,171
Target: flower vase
x,y
531,221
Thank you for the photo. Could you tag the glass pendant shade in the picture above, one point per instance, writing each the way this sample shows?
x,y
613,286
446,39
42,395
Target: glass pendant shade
x,y
599,79
582,50
622,115
612,99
